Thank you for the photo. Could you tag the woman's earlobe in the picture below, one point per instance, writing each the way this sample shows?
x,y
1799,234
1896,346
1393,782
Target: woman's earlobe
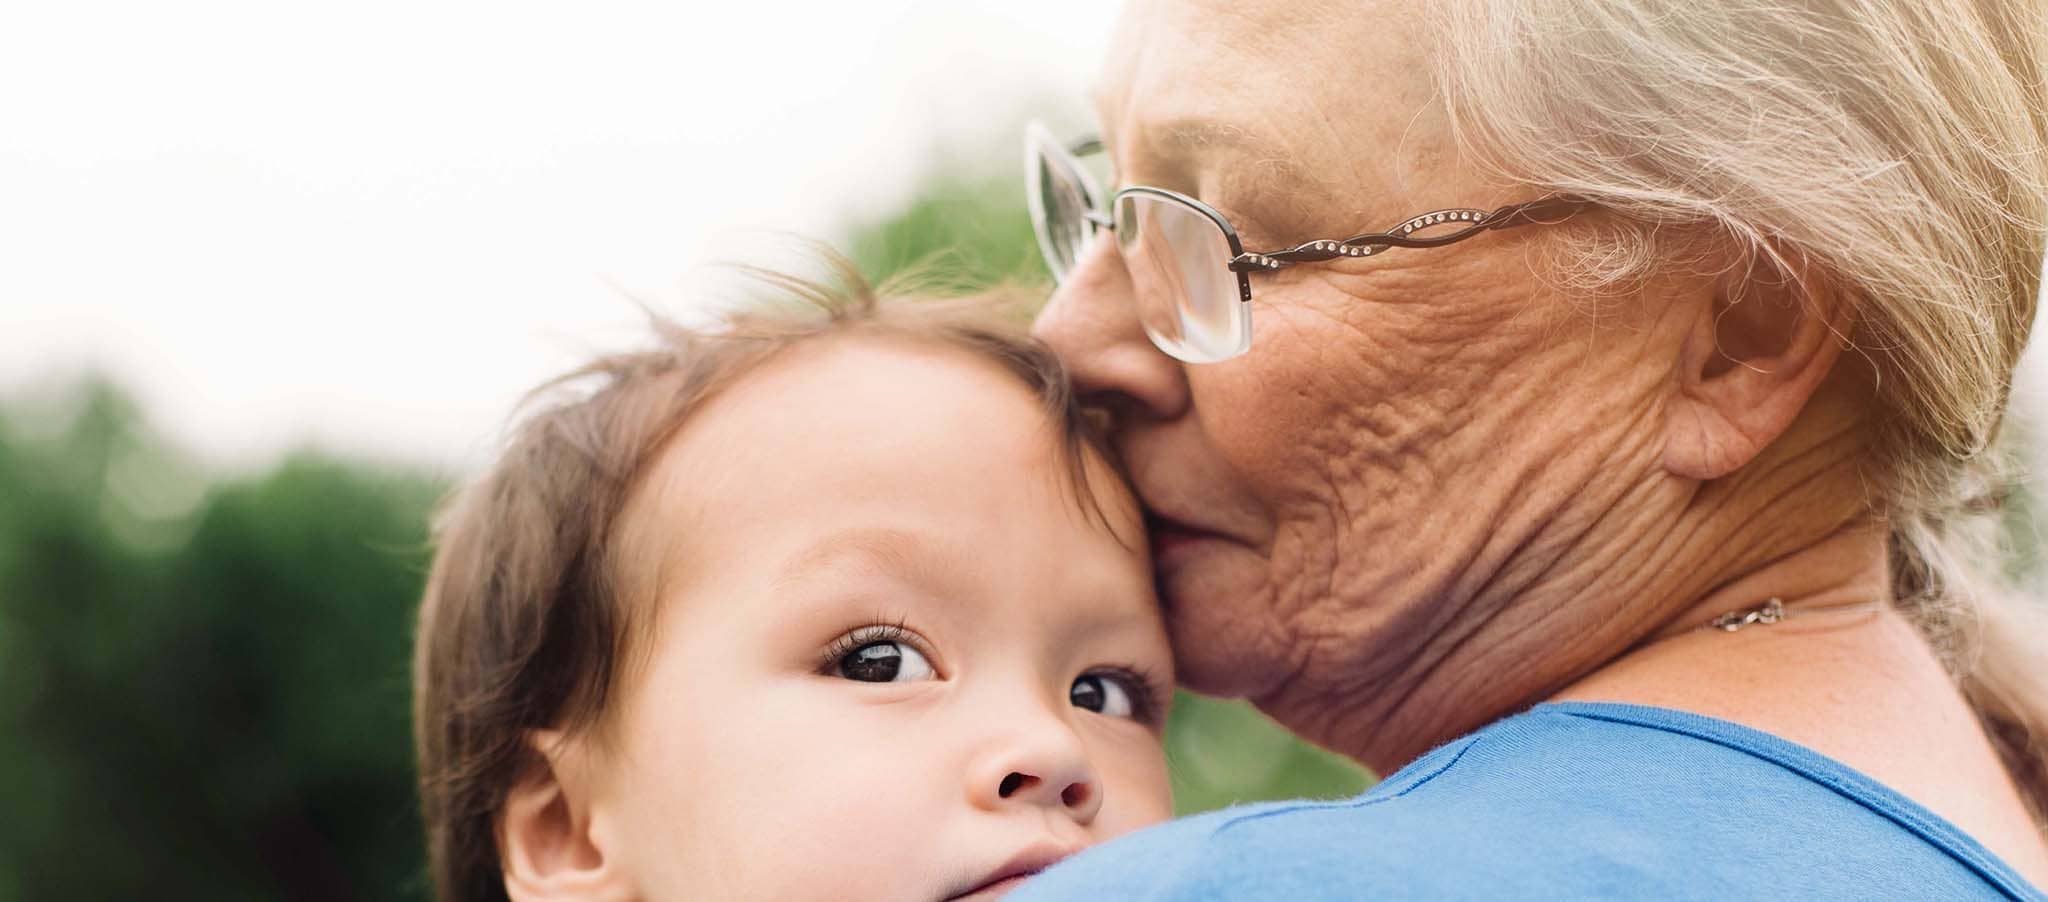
x,y
1750,364
548,846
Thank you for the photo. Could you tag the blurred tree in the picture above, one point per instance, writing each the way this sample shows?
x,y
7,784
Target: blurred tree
x,y
203,693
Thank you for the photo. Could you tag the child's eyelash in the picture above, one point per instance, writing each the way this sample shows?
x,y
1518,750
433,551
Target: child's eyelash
x,y
852,640
1146,694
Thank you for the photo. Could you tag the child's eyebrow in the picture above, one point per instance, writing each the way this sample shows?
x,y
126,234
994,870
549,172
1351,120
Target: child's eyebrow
x,y
895,550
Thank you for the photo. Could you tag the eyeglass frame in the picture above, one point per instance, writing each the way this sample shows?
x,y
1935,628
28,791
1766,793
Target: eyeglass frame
x,y
1037,139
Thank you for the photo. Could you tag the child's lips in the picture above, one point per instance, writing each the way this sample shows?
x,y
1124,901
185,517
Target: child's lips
x,y
994,890
1012,873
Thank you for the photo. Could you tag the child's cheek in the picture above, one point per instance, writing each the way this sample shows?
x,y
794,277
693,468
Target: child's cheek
x,y
799,788
1140,792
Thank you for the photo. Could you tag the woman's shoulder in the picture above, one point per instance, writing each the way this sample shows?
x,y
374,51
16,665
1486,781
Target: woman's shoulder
x,y
1567,800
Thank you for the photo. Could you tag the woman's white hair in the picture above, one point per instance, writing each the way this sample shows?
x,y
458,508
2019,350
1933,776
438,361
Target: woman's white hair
x,y
1902,145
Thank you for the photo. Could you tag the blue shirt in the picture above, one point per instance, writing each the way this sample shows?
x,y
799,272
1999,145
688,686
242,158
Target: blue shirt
x,y
1567,801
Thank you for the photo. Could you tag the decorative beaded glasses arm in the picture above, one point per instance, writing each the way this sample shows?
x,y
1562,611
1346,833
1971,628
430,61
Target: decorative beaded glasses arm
x,y
1543,211
1187,268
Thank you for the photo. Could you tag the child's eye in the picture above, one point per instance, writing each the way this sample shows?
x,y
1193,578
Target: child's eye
x,y
886,661
1104,694
882,653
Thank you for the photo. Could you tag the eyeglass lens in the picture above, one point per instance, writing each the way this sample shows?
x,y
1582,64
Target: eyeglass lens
x,y
1179,265
1177,257
1062,202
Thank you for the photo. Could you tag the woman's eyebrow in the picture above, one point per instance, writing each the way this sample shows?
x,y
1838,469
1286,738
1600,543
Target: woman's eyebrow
x,y
1197,136
1188,144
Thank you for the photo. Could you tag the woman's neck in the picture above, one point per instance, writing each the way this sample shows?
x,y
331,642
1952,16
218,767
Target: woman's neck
x,y
1860,686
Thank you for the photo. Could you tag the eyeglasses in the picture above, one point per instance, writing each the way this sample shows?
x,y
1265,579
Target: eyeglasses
x,y
1183,256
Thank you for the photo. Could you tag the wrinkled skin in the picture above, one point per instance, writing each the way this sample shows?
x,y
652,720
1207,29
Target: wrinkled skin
x,y
1441,487
1414,440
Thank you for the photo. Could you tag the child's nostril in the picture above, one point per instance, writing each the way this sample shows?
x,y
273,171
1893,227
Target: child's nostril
x,y
1075,795
1014,782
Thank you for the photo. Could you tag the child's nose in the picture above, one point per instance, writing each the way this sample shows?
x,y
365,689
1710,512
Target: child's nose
x,y
1043,766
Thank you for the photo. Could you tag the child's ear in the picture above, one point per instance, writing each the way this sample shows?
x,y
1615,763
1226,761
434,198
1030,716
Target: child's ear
x,y
1758,350
549,844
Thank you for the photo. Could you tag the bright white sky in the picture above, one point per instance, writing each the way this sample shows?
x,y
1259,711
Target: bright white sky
x,y
372,225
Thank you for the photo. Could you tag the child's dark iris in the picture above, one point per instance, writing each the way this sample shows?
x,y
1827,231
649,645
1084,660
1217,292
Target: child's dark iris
x,y
1087,694
876,662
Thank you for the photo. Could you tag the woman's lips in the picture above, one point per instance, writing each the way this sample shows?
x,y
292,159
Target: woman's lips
x,y
1173,541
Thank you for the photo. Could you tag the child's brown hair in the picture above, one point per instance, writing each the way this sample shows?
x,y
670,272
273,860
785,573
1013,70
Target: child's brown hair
x,y
523,626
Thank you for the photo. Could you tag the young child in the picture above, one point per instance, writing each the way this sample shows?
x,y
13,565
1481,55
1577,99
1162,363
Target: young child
x,y
837,604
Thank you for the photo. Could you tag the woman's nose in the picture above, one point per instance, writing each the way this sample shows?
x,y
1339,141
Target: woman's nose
x,y
1092,322
1042,766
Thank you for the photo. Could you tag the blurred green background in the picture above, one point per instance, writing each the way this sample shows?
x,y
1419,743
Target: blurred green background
x,y
203,674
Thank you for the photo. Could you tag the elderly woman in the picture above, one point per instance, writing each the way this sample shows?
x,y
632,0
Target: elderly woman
x,y
1617,501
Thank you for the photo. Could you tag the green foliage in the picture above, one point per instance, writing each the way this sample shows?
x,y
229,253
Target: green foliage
x,y
205,700
964,230
1226,752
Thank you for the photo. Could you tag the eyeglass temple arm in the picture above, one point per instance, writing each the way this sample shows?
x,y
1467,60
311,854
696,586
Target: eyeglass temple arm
x,y
1081,148
1541,211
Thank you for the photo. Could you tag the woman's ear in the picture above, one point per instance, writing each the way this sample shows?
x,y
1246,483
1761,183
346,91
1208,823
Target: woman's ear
x,y
1754,356
549,843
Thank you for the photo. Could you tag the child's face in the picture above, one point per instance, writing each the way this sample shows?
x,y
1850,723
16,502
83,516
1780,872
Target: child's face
x,y
894,659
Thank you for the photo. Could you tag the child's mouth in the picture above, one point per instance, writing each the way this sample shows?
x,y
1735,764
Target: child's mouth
x,y
997,889
1014,872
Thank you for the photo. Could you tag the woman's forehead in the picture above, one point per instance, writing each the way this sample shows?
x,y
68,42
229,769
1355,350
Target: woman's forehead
x,y
1313,93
